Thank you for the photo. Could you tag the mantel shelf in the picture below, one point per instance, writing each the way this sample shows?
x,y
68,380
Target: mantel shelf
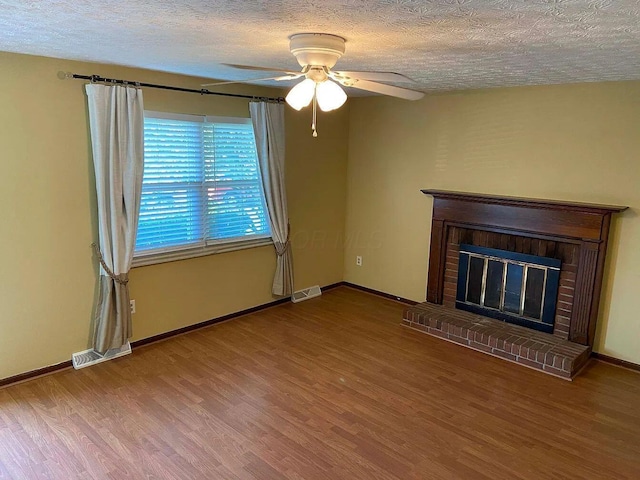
x,y
524,202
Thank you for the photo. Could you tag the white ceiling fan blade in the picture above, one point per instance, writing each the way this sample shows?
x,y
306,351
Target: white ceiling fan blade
x,y
262,69
386,89
390,77
277,79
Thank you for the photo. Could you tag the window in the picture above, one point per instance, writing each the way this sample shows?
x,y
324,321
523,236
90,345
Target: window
x,y
201,190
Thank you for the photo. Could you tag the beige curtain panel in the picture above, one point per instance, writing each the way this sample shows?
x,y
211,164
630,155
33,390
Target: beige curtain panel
x,y
116,117
268,127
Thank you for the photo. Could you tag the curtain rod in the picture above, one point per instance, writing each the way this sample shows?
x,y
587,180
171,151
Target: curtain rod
x,y
203,91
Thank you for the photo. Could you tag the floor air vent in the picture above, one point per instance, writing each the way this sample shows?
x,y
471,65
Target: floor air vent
x,y
306,294
91,357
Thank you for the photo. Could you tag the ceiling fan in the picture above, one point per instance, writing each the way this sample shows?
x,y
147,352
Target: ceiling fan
x,y
317,54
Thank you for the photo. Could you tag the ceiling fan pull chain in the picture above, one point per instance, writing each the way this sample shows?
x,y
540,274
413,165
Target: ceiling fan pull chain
x,y
313,122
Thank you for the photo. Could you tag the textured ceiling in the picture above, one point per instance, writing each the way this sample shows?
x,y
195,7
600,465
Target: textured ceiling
x,y
443,45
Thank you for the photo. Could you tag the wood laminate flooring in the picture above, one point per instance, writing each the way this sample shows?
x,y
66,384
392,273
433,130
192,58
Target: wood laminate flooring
x,y
330,388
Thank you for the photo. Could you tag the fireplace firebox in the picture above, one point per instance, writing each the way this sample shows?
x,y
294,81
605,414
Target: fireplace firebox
x,y
513,287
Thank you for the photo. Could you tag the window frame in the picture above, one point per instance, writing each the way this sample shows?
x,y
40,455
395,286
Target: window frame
x,y
209,246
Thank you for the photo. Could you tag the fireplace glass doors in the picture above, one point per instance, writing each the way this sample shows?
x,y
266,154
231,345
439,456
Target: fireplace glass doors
x,y
509,286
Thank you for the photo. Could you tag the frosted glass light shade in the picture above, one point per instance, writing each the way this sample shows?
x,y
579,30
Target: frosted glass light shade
x,y
301,95
330,96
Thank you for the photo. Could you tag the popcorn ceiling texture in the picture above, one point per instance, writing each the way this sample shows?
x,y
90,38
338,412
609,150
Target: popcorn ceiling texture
x,y
443,45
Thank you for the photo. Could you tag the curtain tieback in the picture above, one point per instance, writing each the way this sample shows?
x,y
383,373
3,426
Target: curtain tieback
x,y
281,248
121,279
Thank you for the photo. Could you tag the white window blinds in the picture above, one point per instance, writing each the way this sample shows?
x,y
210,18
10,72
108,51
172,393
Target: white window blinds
x,y
201,184
235,204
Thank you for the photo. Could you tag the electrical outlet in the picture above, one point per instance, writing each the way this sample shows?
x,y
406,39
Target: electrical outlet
x,y
132,303
359,260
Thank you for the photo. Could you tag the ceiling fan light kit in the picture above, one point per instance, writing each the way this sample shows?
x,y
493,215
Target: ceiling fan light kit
x,y
330,95
317,54
301,95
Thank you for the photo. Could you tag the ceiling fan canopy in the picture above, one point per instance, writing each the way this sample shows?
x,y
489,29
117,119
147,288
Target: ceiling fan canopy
x,y
317,54
320,49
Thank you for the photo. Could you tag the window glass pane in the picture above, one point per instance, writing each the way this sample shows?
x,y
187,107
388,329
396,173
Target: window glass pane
x,y
169,216
201,184
171,194
533,292
230,153
235,211
474,285
235,202
172,151
513,288
493,290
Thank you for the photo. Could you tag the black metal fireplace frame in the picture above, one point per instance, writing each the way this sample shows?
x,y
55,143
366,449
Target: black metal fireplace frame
x,y
549,293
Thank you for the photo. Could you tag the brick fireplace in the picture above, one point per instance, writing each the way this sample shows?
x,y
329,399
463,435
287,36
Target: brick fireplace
x,y
573,234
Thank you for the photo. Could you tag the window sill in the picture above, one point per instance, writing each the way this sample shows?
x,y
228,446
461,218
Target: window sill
x,y
164,257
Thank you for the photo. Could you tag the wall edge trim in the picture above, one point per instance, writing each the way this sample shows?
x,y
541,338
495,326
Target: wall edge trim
x,y
616,361
388,296
31,374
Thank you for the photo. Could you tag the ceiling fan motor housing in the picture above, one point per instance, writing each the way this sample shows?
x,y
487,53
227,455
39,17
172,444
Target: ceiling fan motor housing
x,y
316,48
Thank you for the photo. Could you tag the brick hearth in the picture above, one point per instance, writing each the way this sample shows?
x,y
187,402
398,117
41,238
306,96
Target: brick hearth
x,y
542,351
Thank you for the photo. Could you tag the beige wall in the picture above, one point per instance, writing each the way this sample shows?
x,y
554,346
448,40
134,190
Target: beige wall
x,y
572,142
47,206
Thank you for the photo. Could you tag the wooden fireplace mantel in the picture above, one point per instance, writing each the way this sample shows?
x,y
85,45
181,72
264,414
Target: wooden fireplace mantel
x,y
583,224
